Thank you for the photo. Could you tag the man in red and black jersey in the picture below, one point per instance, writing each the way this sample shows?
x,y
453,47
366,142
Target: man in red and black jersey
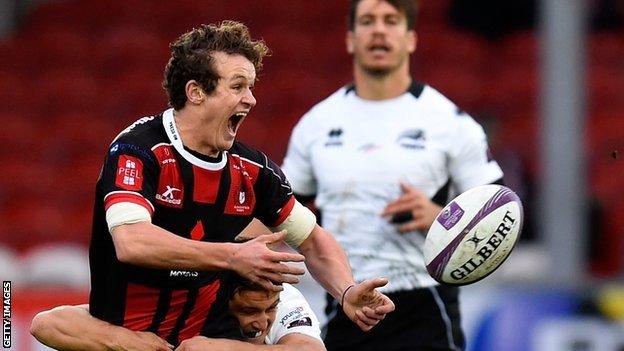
x,y
175,191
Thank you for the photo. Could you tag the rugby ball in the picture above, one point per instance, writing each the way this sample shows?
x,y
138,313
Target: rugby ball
x,y
473,235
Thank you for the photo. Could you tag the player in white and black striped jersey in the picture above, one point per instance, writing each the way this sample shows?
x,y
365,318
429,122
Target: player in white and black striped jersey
x,y
381,157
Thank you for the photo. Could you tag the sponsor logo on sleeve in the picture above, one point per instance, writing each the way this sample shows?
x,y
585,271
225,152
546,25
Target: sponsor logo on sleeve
x,y
129,173
303,322
294,315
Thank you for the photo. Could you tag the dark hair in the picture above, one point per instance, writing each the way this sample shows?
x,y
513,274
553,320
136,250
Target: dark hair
x,y
406,7
191,57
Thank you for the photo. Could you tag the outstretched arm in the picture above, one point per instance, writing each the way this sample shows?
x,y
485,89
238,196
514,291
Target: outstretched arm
x,y
329,265
69,328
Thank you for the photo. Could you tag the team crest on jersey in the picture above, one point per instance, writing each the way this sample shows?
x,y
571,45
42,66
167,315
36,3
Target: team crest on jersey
x,y
129,173
241,198
334,137
412,139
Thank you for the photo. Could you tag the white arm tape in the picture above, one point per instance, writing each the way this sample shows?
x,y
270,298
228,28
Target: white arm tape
x,y
298,224
126,213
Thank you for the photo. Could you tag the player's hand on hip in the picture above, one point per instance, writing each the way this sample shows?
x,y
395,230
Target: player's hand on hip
x,y
413,210
143,341
255,261
366,306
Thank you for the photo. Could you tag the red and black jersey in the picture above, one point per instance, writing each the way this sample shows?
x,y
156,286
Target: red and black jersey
x,y
193,196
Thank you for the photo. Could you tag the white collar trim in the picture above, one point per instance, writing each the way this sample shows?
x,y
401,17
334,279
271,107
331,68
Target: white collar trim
x,y
176,141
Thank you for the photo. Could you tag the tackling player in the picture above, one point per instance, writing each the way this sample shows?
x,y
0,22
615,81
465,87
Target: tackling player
x,y
265,317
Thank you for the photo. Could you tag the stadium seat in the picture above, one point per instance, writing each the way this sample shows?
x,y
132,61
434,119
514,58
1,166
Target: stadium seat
x,y
58,265
10,269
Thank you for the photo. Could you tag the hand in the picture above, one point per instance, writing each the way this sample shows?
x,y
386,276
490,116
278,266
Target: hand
x,y
366,306
141,341
255,261
415,202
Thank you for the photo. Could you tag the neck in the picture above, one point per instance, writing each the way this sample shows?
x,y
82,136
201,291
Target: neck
x,y
383,86
189,127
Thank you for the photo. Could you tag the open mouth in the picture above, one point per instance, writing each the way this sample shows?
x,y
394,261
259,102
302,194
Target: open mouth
x,y
252,334
235,120
379,48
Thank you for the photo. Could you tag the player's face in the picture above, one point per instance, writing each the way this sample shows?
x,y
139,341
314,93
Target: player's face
x,y
380,41
255,311
227,106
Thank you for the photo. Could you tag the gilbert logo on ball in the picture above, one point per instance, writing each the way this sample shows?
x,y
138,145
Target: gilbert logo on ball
x,y
473,235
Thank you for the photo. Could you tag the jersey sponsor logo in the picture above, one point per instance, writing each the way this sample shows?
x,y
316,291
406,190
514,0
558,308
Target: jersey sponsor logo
x,y
170,195
241,197
304,322
295,314
412,139
184,274
334,137
119,147
368,147
129,173
170,187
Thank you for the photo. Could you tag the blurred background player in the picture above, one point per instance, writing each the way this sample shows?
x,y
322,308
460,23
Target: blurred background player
x,y
175,191
264,316
381,157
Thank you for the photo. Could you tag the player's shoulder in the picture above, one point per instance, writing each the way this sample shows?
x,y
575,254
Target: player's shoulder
x,y
328,107
435,100
145,131
444,110
248,153
140,137
290,293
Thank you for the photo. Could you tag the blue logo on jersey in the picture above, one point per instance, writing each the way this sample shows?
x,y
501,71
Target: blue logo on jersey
x,y
412,139
120,147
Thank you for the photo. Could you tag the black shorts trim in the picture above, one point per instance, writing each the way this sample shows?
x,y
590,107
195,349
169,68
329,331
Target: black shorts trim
x,y
424,319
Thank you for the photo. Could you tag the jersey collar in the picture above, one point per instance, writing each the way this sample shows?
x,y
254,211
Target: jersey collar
x,y
176,141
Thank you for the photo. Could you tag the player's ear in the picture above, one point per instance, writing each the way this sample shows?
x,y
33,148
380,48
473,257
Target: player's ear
x,y
349,41
412,41
194,92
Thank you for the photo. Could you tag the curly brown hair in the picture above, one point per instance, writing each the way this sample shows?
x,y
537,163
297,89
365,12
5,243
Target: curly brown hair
x,y
406,7
191,57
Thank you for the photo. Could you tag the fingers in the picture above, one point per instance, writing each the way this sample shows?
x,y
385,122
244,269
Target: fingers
x,y
365,319
372,284
280,278
407,188
372,313
273,238
268,285
386,307
285,269
286,257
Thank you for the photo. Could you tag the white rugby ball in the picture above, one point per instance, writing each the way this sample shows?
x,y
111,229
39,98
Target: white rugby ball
x,y
473,235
